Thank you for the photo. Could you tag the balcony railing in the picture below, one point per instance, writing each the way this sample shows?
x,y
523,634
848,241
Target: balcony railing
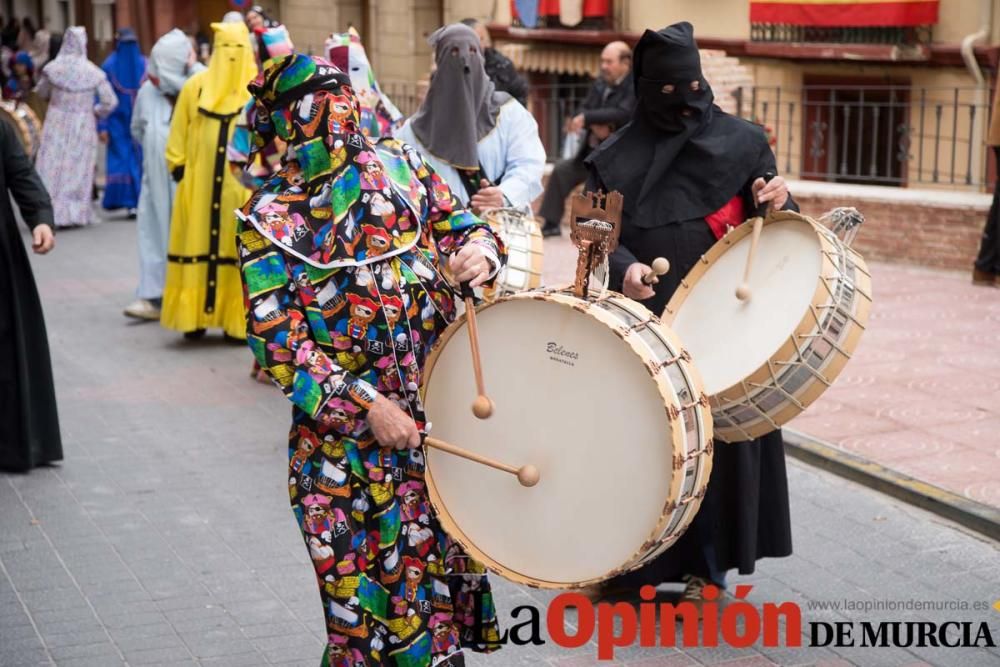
x,y
551,106
892,36
885,135
893,135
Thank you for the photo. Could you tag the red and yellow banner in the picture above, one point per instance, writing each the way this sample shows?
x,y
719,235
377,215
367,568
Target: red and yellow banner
x,y
845,13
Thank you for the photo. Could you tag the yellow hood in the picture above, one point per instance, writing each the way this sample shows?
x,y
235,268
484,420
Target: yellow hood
x,y
231,68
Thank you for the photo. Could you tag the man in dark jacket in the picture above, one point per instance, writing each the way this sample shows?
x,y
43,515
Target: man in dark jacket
x,y
499,67
607,107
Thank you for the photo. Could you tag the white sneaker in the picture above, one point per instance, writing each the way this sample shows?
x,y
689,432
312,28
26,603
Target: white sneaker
x,y
142,309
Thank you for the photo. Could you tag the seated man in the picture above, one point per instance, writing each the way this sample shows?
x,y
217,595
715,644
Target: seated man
x,y
607,107
483,143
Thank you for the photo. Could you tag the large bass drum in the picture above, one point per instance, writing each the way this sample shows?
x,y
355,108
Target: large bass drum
x,y
602,398
766,360
24,120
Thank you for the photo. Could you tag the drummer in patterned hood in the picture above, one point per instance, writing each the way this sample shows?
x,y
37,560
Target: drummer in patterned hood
x,y
343,304
688,170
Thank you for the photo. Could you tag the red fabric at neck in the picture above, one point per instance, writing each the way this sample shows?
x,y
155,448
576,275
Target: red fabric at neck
x,y
730,215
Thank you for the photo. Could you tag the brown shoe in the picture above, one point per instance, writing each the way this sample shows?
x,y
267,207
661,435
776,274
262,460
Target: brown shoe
x,y
984,278
694,593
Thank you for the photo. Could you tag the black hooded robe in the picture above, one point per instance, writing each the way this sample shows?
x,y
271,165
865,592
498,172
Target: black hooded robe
x,y
29,425
744,515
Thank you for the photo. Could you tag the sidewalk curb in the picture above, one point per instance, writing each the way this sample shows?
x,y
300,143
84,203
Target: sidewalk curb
x,y
973,515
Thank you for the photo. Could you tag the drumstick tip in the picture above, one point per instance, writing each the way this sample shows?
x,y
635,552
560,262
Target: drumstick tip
x,y
743,292
528,475
659,266
482,407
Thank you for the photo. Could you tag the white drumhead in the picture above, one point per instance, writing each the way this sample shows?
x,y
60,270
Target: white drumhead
x,y
573,399
729,339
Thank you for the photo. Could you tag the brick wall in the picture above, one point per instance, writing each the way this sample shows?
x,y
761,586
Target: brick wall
x,y
932,229
942,236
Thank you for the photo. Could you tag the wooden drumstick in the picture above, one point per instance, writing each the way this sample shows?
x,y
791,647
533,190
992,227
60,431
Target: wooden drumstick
x,y
659,267
743,292
527,475
482,407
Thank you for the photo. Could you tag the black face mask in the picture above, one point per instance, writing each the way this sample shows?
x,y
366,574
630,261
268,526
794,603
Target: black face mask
x,y
673,106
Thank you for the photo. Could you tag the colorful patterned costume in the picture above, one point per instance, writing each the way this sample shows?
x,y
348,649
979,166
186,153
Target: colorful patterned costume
x,y
339,254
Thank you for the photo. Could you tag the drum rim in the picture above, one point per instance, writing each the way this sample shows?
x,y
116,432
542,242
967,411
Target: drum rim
x,y
445,518
828,274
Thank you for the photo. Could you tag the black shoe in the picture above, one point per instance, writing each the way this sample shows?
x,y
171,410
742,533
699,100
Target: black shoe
x,y
551,230
233,340
197,334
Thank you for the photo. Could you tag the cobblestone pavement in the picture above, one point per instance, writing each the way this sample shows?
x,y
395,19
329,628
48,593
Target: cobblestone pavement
x,y
921,394
165,536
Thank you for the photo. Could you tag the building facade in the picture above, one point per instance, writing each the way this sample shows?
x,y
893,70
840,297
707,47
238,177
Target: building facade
x,y
889,113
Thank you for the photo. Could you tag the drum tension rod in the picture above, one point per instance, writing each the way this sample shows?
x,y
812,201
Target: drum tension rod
x,y
670,361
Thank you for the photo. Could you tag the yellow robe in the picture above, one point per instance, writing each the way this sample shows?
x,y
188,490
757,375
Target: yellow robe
x,y
203,288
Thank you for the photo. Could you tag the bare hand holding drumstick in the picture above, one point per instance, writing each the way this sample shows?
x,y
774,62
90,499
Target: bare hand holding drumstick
x,y
391,426
774,192
396,429
471,264
640,278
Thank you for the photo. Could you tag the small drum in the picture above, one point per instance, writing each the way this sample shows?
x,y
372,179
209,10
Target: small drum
x,y
24,120
523,238
766,360
604,401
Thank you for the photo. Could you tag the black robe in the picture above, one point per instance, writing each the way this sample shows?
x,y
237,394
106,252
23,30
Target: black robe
x,y
745,513
29,425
